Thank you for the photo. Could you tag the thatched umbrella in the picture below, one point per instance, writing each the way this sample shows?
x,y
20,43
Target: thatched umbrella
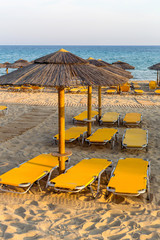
x,y
156,67
123,65
19,64
62,69
5,65
110,68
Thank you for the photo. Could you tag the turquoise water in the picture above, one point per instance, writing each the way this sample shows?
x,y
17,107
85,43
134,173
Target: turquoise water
x,y
139,56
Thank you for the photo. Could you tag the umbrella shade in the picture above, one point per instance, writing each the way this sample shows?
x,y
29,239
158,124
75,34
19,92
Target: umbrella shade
x,y
123,65
62,69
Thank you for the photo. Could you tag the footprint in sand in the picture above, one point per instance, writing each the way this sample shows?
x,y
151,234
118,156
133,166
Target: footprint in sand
x,y
20,212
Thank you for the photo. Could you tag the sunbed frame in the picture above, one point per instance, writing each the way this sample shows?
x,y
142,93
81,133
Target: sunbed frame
x,y
85,120
27,186
140,191
4,111
111,123
79,139
138,123
112,141
80,188
124,146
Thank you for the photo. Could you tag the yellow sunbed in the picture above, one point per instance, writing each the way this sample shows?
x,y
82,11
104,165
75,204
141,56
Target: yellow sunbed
x,y
3,109
102,136
82,117
138,91
27,173
125,88
14,88
157,91
136,86
83,90
73,134
130,177
132,119
152,85
135,138
111,91
74,90
110,118
80,176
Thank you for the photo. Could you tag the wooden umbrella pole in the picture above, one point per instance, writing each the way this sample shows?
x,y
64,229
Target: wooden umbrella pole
x,y
157,78
61,109
99,102
89,124
7,70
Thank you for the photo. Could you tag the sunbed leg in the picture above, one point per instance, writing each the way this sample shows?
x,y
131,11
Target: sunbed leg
x,y
148,190
82,139
112,143
39,186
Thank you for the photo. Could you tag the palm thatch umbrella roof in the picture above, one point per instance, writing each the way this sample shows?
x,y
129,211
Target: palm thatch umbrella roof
x,y
155,67
109,67
62,68
4,65
123,65
19,64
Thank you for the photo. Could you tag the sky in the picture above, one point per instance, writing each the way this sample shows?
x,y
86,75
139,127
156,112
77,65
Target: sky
x,y
79,22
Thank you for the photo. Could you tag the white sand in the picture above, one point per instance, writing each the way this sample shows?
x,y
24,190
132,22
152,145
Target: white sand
x,y
48,215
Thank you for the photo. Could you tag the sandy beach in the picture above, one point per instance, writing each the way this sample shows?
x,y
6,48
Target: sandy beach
x,y
54,216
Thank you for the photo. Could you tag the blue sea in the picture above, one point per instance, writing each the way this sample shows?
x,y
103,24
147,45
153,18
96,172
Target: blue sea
x,y
139,56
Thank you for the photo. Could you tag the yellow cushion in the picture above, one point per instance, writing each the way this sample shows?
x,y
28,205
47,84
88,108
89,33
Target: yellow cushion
x,y
135,137
102,135
110,117
2,108
73,132
152,84
111,91
30,171
81,174
129,176
137,86
132,117
157,91
82,116
74,89
138,91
